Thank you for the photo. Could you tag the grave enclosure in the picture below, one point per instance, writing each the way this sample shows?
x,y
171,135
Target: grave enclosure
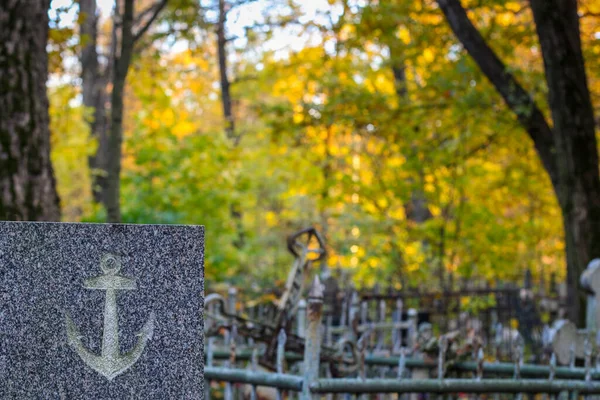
x,y
101,311
374,350
388,374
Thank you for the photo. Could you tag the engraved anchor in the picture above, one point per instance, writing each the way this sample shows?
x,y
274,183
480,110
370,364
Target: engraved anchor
x,y
110,363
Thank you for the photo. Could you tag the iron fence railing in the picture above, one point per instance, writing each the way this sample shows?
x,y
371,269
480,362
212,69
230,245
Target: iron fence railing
x,y
489,368
306,377
395,322
346,385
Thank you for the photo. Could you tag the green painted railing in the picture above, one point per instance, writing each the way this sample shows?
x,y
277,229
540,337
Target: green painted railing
x,y
517,377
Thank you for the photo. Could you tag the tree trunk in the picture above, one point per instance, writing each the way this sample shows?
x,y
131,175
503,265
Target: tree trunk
x,y
518,100
399,71
27,184
106,163
225,85
94,95
115,139
557,25
226,102
416,208
568,149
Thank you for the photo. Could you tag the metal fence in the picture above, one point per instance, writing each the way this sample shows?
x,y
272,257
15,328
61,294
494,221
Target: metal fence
x,y
396,326
381,372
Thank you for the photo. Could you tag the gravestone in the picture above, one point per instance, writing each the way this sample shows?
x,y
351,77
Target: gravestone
x,y
566,340
101,311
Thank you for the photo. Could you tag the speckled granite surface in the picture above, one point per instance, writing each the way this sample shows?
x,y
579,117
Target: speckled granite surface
x,y
61,335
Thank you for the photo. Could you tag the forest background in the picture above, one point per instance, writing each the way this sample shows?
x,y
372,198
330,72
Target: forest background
x,y
367,119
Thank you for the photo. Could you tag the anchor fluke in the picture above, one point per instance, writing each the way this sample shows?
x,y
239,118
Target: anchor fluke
x,y
73,334
148,328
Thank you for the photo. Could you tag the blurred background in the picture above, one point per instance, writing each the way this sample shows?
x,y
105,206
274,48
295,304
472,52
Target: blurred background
x,y
369,120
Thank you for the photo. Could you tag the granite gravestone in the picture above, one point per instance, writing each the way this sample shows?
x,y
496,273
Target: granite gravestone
x,y
101,311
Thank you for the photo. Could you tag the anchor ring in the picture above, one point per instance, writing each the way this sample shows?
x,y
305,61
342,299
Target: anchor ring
x,y
110,264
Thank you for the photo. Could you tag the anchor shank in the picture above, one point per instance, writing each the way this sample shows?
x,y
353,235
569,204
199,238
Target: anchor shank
x,y
110,336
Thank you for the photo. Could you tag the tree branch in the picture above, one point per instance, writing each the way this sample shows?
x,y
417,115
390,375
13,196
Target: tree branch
x,y
240,3
517,99
144,13
588,14
154,10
